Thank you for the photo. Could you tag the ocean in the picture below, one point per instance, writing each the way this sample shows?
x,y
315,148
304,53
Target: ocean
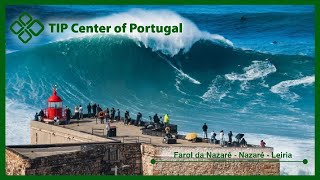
x,y
248,69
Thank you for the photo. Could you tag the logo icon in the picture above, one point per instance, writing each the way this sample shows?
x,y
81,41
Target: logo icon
x,y
26,27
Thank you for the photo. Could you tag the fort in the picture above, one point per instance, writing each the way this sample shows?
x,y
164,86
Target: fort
x,y
81,148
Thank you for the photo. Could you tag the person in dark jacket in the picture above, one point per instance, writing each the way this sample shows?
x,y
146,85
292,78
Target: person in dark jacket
x,y
137,122
156,119
205,130
113,113
243,143
41,114
89,110
94,109
127,118
36,117
68,115
118,116
230,136
107,114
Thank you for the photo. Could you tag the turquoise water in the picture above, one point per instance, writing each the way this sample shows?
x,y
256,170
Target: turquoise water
x,y
224,71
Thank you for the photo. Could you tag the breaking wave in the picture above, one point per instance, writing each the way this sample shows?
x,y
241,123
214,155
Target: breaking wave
x,y
194,75
258,69
169,45
283,88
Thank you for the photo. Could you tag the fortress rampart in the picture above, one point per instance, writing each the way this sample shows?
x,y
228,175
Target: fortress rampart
x,y
75,150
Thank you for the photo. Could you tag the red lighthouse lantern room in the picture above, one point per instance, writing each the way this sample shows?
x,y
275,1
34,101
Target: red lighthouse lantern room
x,y
54,105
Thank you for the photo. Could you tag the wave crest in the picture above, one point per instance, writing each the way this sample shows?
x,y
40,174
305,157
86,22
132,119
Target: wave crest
x,y
169,45
282,88
256,70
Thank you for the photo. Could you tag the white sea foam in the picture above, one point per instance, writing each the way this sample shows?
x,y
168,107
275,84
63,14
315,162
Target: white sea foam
x,y
70,89
169,45
283,87
18,117
165,95
217,90
177,85
181,75
258,69
8,51
298,147
184,75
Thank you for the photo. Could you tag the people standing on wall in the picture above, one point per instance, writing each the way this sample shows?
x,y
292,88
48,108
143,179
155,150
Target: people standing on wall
x,y
230,137
94,109
113,113
221,138
205,130
156,119
127,118
137,122
213,137
80,112
41,114
166,120
89,110
125,122
76,112
107,114
119,116
68,115
36,117
262,144
101,116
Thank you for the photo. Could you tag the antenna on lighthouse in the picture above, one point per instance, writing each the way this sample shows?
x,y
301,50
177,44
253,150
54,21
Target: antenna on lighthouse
x,y
54,89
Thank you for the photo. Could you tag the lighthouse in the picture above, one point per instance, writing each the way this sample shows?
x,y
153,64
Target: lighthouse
x,y
54,105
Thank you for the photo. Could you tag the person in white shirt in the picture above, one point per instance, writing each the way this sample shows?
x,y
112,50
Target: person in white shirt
x,y
221,138
80,112
76,112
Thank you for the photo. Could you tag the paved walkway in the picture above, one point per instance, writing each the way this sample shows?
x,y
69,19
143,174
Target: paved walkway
x,y
128,133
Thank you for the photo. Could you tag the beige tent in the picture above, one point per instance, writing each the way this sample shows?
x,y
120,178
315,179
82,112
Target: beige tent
x,y
191,136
